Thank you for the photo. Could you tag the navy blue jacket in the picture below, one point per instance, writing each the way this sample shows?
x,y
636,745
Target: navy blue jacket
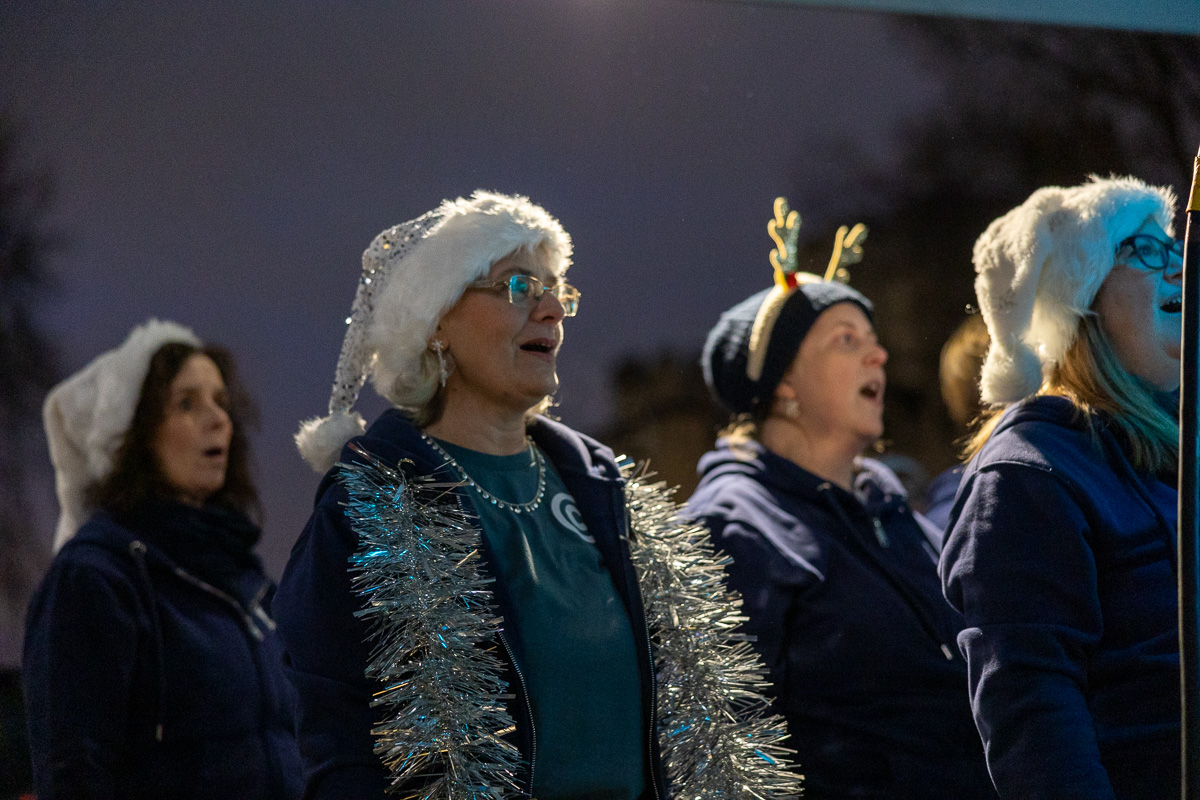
x,y
1062,560
327,646
142,683
940,496
841,591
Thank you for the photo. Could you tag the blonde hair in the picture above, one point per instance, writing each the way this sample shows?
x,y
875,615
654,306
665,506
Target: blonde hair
x,y
958,370
1092,378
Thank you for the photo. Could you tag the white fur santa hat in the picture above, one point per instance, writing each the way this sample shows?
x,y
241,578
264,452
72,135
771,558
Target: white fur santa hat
x,y
412,274
1039,267
87,415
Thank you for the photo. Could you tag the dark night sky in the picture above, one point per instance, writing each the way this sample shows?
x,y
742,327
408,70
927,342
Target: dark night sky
x,y
224,165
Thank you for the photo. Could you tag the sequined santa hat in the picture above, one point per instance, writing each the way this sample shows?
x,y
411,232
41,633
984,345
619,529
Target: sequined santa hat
x,y
1039,267
87,416
412,274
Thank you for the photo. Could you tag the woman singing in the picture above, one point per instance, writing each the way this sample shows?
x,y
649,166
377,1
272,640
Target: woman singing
x,y
838,575
152,668
1061,553
459,318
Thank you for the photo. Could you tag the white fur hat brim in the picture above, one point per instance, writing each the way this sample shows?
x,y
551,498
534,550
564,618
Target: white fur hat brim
x,y
1039,267
87,415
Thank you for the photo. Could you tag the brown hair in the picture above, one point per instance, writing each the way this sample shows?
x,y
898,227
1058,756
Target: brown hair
x,y
136,475
1092,378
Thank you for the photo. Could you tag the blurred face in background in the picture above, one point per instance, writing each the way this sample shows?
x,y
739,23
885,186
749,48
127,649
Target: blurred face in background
x,y
191,445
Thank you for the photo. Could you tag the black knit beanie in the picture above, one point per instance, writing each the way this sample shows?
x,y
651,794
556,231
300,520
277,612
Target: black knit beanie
x,y
727,349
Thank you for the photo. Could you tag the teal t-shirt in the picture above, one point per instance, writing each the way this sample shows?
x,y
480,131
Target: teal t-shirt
x,y
569,631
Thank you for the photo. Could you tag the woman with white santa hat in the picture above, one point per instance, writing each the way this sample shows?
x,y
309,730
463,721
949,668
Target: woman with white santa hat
x,y
151,665
467,612
1061,552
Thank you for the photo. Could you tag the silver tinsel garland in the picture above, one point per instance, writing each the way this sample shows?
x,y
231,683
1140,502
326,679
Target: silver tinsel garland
x,y
718,738
434,634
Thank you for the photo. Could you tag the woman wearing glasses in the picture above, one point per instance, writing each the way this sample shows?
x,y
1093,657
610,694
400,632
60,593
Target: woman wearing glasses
x,y
1061,552
459,318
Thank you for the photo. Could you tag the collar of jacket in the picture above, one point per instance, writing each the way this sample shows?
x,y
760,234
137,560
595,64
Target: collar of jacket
x,y
106,532
877,491
392,436
1060,411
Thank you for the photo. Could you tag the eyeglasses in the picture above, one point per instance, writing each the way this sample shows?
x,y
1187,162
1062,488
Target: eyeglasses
x,y
525,290
1153,252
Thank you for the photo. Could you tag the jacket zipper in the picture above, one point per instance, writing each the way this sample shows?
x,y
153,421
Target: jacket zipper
x,y
137,549
653,715
257,608
528,708
247,620
928,626
880,535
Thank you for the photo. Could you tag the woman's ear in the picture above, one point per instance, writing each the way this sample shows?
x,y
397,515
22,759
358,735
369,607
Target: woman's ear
x,y
438,338
785,402
784,390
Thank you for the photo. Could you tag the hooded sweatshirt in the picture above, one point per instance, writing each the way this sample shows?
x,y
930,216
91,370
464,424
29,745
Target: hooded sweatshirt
x,y
144,679
841,590
1062,559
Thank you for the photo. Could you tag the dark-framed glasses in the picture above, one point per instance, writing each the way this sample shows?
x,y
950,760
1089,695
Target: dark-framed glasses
x,y
525,290
1153,252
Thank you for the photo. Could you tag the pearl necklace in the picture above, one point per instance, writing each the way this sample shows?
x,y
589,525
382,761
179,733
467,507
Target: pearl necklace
x,y
516,508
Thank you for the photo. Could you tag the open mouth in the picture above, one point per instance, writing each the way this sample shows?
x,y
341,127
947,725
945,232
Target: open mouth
x,y
539,346
215,452
1172,306
872,391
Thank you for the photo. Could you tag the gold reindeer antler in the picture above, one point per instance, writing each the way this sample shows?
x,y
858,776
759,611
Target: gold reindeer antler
x,y
847,250
783,257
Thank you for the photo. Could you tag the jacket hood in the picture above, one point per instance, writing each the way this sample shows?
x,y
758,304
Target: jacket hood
x,y
102,530
105,532
1044,408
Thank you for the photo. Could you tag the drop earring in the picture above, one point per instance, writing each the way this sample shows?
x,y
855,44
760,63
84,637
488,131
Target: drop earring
x,y
443,372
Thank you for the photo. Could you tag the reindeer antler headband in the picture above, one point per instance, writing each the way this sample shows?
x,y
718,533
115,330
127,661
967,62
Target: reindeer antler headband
x,y
784,229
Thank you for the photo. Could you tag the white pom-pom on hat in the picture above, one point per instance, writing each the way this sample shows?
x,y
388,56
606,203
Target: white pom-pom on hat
x,y
1039,267
321,439
87,416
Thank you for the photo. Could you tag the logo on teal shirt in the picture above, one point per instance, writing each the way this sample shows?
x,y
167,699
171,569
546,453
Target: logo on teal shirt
x,y
567,513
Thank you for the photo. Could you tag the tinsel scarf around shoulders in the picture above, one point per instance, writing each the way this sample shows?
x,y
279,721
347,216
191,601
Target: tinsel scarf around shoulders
x,y
433,627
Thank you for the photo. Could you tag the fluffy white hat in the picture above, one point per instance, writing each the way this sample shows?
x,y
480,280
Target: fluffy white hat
x,y
412,274
86,417
1038,269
